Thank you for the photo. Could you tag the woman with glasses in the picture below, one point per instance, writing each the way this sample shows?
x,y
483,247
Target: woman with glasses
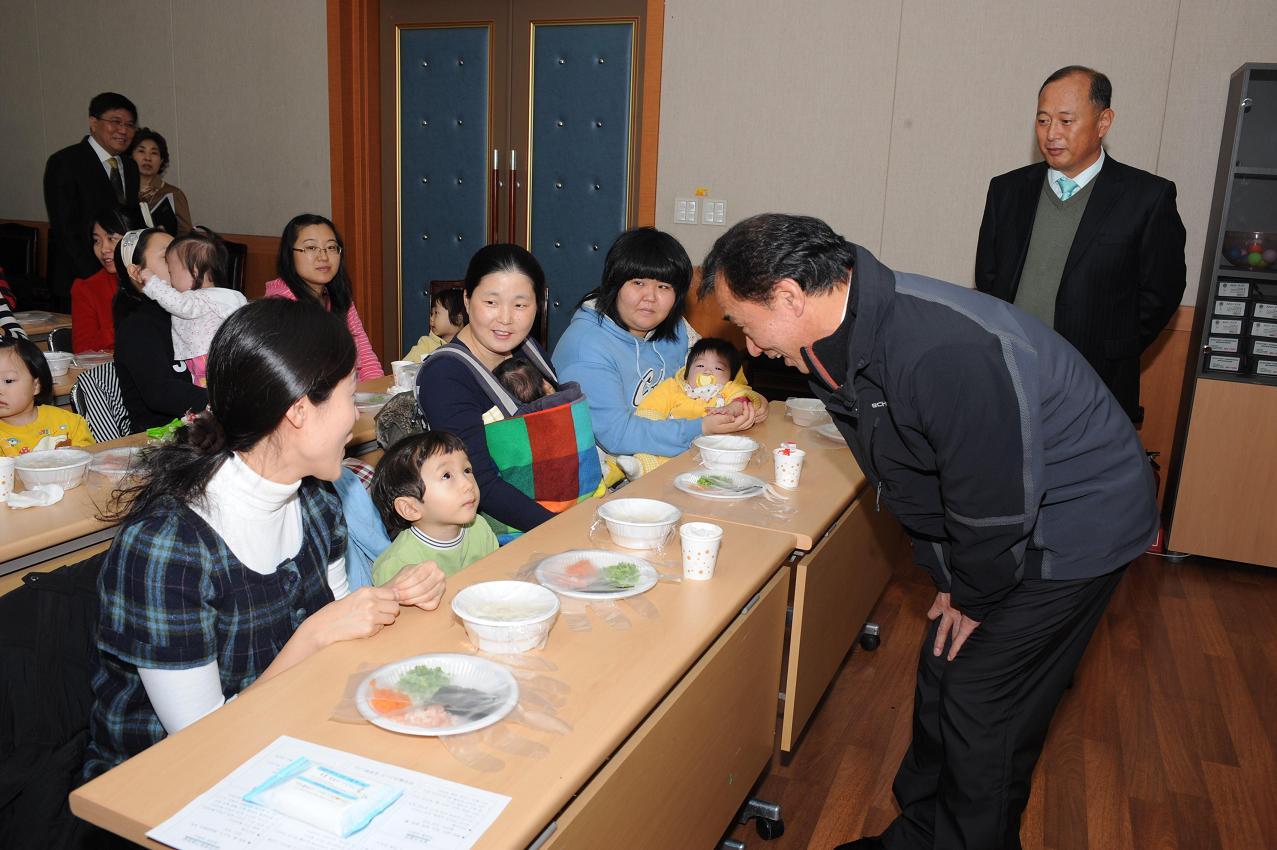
x,y
310,268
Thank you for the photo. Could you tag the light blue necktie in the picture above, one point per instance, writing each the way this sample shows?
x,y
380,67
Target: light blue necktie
x,y
1067,187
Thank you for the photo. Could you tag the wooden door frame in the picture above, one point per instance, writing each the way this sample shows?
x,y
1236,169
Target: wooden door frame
x,y
354,121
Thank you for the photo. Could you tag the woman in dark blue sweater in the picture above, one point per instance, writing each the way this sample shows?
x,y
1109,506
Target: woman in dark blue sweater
x,y
503,286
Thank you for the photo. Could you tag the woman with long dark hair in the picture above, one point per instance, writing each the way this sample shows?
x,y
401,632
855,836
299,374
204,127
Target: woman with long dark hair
x,y
312,267
229,564
156,388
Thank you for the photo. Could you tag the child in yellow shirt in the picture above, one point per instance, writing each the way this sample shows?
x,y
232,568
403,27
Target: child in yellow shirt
x,y
704,384
447,316
28,420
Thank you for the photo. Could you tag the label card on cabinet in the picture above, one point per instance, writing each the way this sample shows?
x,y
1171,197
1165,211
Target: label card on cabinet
x,y
1268,329
1231,308
1265,311
1233,289
1223,343
1263,348
1226,326
1266,367
1225,364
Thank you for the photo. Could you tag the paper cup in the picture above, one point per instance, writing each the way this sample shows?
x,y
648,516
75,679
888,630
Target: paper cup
x,y
700,549
6,477
404,375
789,467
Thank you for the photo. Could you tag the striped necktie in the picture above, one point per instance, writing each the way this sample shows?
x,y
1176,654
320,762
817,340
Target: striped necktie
x,y
1067,187
117,182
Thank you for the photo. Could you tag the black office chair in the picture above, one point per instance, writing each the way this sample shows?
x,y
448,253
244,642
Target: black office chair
x,y
18,250
60,340
236,260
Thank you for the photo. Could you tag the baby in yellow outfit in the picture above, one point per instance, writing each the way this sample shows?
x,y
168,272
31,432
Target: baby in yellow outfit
x,y
704,384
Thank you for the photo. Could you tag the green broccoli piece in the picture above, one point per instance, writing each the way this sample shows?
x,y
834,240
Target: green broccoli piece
x,y
421,682
623,575
714,481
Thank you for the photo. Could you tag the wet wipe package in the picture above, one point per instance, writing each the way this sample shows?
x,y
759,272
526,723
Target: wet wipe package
x,y
320,796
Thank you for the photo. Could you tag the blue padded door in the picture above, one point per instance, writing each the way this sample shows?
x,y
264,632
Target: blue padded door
x,y
578,195
444,120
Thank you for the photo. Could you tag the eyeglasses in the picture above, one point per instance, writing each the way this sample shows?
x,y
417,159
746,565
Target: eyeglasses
x,y
313,251
119,124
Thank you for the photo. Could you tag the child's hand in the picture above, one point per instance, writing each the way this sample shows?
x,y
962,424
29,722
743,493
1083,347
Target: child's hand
x,y
421,585
728,420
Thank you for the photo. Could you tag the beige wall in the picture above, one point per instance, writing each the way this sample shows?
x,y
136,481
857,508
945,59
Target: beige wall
x,y
238,88
888,117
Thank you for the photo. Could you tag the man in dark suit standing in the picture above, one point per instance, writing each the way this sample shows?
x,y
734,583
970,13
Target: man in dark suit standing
x,y
1092,247
80,180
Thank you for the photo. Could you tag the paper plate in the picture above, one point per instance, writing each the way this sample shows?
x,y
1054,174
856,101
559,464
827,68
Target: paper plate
x,y
85,359
463,671
33,317
734,485
371,402
561,574
830,432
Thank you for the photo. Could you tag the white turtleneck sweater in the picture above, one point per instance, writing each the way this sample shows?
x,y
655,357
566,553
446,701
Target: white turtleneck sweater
x,y
261,523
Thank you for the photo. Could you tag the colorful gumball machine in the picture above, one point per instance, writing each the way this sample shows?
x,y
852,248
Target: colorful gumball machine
x,y
1250,249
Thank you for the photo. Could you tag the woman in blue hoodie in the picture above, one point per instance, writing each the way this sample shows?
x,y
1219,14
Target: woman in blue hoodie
x,y
629,335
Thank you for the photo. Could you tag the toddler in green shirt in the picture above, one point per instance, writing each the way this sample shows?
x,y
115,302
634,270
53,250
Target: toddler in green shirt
x,y
426,494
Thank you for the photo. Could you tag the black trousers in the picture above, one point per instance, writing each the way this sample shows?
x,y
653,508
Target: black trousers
x,y
979,721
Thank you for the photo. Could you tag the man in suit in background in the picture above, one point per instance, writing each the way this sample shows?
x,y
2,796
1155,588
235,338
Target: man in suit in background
x,y
1092,247
82,179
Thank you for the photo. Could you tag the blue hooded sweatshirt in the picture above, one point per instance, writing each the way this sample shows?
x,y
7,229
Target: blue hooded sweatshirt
x,y
616,370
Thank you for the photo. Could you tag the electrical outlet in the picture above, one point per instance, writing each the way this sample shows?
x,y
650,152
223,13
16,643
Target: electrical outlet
x,y
713,211
686,210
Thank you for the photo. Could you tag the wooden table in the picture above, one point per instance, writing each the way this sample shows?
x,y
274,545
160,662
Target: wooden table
x,y
831,479
36,538
34,535
38,332
364,436
672,719
845,550
62,384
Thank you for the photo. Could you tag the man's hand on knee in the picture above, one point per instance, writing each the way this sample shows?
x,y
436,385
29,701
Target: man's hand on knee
x,y
954,626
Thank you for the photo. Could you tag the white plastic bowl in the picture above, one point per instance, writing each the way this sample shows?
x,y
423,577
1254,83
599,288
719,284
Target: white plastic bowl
x,y
726,452
506,617
639,523
64,467
806,411
59,362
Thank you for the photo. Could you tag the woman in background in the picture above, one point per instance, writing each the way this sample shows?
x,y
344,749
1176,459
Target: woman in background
x,y
92,319
155,387
150,152
311,267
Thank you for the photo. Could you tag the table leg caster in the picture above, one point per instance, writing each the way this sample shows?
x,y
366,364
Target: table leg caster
x,y
769,829
870,637
767,817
